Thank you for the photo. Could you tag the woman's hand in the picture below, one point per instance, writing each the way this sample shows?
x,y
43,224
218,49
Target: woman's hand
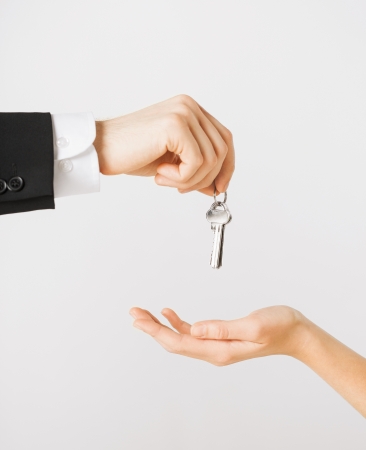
x,y
176,141
268,331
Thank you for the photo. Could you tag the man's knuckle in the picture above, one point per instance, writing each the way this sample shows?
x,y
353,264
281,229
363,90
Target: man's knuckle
x,y
197,160
212,161
175,120
185,178
222,150
228,135
183,181
185,99
184,111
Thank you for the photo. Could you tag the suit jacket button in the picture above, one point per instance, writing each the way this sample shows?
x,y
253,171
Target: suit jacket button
x,y
3,186
15,184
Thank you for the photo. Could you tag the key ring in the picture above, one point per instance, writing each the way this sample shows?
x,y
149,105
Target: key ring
x,y
215,198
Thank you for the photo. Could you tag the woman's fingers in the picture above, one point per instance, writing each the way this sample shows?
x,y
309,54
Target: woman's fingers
x,y
176,322
169,314
215,352
245,329
217,342
272,330
215,329
139,313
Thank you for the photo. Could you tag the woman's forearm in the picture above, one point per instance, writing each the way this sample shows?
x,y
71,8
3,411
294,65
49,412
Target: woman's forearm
x,y
338,365
276,330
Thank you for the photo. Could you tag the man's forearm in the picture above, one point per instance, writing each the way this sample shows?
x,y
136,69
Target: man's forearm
x,y
338,365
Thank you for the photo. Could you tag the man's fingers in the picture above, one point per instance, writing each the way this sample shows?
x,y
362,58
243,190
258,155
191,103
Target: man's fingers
x,y
228,167
186,147
209,190
209,153
206,185
221,174
209,160
221,149
176,322
214,142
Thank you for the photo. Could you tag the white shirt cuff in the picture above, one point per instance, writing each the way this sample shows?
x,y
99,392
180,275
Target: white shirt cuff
x,y
76,166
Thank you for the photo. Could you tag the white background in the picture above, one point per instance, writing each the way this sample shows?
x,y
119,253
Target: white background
x,y
289,79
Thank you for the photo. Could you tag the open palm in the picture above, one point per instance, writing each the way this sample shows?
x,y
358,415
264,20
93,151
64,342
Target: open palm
x,y
261,333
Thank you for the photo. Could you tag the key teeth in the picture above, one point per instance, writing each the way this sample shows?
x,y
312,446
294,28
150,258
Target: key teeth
x,y
217,251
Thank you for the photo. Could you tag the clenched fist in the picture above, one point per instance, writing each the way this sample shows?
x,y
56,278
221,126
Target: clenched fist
x,y
176,141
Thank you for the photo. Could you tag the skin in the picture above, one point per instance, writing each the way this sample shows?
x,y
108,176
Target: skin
x,y
177,141
277,330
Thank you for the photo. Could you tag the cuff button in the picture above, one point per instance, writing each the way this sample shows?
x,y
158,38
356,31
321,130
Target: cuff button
x,y
15,184
65,165
3,186
62,142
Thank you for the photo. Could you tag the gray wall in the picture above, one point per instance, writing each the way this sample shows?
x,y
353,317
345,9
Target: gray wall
x,y
288,78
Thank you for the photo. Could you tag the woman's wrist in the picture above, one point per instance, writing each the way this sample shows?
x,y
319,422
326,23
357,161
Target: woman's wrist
x,y
310,341
302,334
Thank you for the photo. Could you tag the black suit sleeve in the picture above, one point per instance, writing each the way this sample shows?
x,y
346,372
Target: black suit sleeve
x,y
26,162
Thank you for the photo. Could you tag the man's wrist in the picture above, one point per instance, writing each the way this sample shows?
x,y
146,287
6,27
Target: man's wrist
x,y
99,144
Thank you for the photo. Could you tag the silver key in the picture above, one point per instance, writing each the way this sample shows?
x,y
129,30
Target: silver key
x,y
218,219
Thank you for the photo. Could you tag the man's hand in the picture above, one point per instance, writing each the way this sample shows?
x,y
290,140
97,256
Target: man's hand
x,y
269,331
176,141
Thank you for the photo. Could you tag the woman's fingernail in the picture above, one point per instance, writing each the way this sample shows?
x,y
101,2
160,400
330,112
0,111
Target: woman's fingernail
x,y
198,330
137,326
132,313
